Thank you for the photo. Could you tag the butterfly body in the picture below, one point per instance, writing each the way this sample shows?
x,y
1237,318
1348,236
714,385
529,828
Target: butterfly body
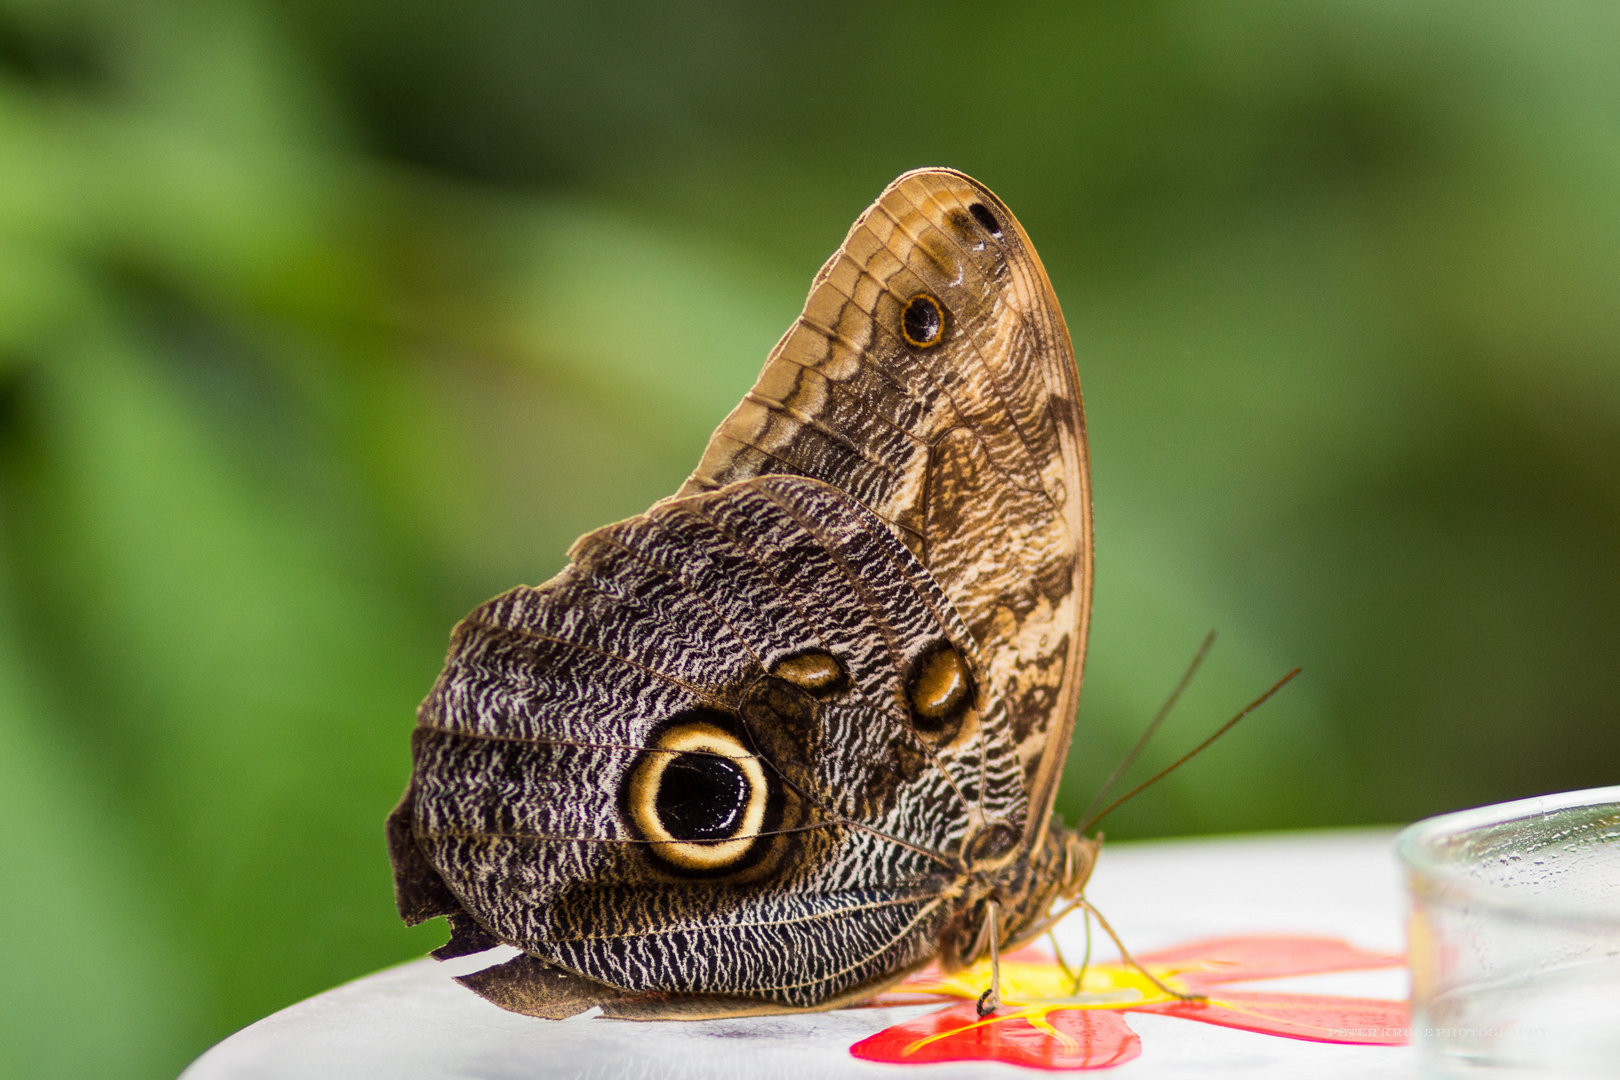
x,y
795,731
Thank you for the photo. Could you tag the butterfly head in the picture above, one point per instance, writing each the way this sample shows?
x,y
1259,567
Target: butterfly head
x,y
1079,860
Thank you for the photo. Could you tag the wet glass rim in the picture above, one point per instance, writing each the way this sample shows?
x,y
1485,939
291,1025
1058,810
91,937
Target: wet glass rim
x,y
1432,880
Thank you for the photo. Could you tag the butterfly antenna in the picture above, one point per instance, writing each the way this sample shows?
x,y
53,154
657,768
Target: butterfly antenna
x,y
1189,755
1158,718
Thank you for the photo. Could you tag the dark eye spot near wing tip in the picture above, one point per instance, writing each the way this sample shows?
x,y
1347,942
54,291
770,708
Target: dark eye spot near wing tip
x,y
981,213
923,321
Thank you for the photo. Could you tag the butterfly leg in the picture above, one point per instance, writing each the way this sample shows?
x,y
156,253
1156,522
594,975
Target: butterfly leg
x,y
1057,951
1085,961
990,1000
1078,978
1196,999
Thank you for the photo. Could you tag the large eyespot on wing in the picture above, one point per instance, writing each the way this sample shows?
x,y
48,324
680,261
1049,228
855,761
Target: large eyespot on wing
x,y
701,798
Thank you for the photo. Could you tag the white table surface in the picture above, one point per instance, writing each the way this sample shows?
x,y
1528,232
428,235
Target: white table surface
x,y
412,1022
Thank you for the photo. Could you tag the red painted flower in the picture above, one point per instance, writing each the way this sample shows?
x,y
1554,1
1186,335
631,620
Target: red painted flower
x,y
1043,1025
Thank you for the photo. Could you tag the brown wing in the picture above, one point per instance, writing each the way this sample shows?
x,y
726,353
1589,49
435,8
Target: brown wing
x,y
931,377
697,761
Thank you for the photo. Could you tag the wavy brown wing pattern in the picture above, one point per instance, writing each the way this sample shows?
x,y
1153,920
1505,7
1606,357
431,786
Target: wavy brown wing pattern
x,y
931,377
711,758
797,729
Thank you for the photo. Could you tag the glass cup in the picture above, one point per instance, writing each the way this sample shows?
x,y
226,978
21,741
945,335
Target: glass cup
x,y
1514,938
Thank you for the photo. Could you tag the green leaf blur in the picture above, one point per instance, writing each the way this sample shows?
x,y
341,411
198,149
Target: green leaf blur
x,y
322,322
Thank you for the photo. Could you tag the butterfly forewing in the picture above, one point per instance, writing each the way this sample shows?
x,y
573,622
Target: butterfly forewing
x,y
966,437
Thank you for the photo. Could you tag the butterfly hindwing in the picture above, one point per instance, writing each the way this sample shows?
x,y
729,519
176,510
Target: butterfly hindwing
x,y
734,750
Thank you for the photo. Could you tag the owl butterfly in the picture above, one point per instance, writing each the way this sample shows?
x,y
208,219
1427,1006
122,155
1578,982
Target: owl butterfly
x,y
796,731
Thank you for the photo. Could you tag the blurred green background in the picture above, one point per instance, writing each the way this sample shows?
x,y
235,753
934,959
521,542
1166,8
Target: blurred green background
x,y
321,322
